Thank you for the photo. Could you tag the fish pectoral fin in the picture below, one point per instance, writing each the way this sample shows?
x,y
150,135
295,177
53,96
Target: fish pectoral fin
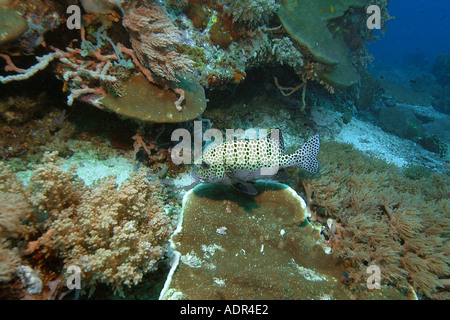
x,y
243,186
246,187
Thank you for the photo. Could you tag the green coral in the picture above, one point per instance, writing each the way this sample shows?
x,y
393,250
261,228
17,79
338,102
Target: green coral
x,y
307,23
196,54
416,172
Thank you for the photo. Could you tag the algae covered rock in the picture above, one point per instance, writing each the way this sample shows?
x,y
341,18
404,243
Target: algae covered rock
x,y
12,25
233,246
147,102
307,23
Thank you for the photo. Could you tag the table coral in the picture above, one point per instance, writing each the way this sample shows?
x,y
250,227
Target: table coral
x,y
147,102
306,22
267,249
12,25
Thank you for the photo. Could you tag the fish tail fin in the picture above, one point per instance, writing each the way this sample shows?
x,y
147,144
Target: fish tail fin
x,y
306,156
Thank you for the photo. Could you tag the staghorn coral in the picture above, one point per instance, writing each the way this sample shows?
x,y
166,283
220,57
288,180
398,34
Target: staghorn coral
x,y
381,217
115,235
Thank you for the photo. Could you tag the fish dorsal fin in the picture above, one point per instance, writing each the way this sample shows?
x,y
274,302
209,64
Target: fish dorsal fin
x,y
271,133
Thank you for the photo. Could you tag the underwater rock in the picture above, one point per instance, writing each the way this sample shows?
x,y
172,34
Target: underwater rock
x,y
370,91
441,69
100,6
401,121
233,246
147,102
403,94
30,279
306,22
12,25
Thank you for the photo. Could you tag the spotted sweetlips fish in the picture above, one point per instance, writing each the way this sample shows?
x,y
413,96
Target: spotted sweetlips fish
x,y
240,162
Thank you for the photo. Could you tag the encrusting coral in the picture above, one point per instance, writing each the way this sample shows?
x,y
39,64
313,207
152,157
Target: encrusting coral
x,y
114,234
375,215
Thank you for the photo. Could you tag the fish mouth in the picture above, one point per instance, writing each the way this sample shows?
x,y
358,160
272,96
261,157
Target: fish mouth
x,y
195,177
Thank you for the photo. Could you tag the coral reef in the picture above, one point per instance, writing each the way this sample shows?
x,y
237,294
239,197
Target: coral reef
x,y
14,209
378,216
24,24
14,206
307,23
441,99
114,235
435,144
101,6
422,125
216,41
100,65
150,67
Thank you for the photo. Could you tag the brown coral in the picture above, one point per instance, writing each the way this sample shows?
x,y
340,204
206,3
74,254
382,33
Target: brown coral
x,y
383,218
115,235
14,207
154,38
9,260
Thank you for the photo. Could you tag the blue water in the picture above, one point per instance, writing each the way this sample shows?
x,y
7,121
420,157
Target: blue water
x,y
419,32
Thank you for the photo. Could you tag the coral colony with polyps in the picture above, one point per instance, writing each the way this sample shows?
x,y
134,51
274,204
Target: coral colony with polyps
x,y
136,138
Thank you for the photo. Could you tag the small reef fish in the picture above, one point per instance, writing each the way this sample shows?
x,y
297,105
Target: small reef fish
x,y
240,162
332,9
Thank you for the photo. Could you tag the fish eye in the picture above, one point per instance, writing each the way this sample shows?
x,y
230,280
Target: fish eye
x,y
205,165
